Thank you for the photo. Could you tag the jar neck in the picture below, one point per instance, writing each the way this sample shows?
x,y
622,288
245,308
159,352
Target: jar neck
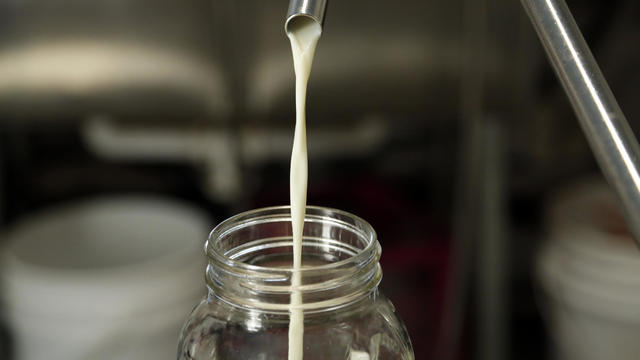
x,y
250,260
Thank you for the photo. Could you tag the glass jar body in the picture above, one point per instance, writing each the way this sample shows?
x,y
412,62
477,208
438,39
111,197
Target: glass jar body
x,y
371,330
247,311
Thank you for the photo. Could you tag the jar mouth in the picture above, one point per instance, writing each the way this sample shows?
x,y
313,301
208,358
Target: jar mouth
x,y
250,260
249,218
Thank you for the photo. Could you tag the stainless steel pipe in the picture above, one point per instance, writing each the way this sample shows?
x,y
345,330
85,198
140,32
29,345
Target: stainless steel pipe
x,y
609,135
314,9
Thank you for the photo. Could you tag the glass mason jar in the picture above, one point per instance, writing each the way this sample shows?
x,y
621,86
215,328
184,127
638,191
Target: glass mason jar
x,y
246,312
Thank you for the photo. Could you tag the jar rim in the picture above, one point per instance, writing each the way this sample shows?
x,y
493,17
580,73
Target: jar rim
x,y
248,217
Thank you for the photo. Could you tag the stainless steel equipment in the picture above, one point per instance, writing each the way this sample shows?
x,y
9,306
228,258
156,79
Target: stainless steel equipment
x,y
602,120
314,9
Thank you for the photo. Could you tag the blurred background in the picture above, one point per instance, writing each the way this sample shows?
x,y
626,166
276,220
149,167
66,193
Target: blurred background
x,y
131,125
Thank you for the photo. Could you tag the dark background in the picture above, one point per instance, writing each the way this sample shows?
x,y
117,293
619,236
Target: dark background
x,y
428,74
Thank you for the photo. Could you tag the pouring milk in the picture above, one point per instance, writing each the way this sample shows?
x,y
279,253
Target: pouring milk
x,y
304,35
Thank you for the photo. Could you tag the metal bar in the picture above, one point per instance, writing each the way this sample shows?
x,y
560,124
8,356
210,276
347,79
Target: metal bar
x,y
609,135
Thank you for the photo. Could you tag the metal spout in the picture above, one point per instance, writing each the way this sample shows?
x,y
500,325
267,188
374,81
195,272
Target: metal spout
x,y
313,9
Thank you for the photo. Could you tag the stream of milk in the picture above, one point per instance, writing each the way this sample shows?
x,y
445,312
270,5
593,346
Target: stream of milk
x,y
304,35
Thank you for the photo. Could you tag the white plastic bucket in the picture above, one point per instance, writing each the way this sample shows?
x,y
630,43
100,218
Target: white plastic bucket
x,y
110,278
589,270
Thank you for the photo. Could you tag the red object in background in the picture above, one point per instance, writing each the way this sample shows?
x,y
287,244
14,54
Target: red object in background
x,y
415,250
414,280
